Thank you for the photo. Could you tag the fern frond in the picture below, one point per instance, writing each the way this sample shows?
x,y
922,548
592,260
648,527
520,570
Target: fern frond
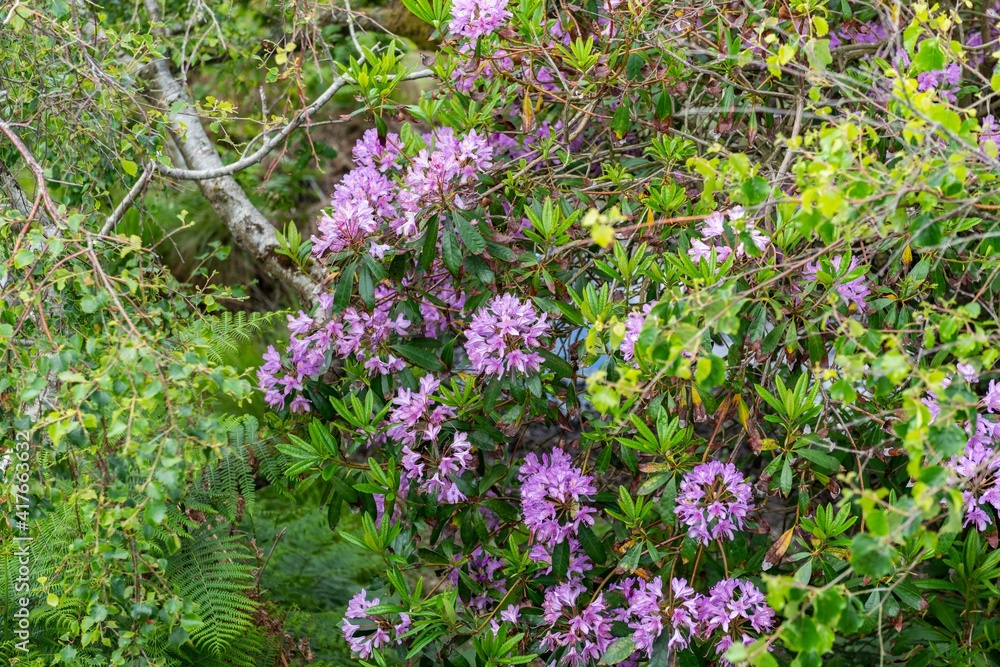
x,y
214,570
225,333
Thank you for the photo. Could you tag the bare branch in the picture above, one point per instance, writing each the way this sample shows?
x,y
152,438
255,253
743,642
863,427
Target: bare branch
x,y
277,139
126,203
250,229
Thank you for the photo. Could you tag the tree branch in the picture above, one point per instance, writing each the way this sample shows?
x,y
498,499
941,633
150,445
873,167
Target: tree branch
x,y
248,226
129,199
250,229
273,142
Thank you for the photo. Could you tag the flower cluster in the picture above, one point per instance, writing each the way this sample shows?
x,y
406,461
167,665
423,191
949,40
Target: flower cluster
x,y
733,606
474,18
314,342
642,612
634,323
552,496
366,633
416,415
855,292
977,473
714,227
381,196
485,570
585,631
713,501
451,463
502,335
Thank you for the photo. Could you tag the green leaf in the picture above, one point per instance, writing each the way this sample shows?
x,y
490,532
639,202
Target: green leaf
x,y
870,558
633,67
366,286
785,482
471,237
429,251
23,258
420,357
502,509
131,168
619,651
345,285
947,440
821,459
592,545
818,53
451,254
756,190
560,559
621,122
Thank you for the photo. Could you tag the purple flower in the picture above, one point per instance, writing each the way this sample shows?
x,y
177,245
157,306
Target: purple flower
x,y
552,491
501,336
642,613
950,76
579,562
853,292
417,416
977,474
733,606
992,398
365,634
683,613
487,571
452,462
584,631
371,151
436,174
475,18
871,32
714,500
313,344
700,250
511,614
968,372
633,328
990,131
714,227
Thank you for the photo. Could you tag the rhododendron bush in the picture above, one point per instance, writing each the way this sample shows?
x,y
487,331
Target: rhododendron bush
x,y
638,332
665,333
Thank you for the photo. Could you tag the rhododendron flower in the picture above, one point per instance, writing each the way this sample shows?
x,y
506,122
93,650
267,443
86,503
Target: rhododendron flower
x,y
642,612
633,328
364,334
733,606
552,496
453,461
977,474
364,633
992,399
587,634
990,132
968,373
579,562
475,18
713,227
417,416
486,570
501,336
854,292
683,613
713,501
